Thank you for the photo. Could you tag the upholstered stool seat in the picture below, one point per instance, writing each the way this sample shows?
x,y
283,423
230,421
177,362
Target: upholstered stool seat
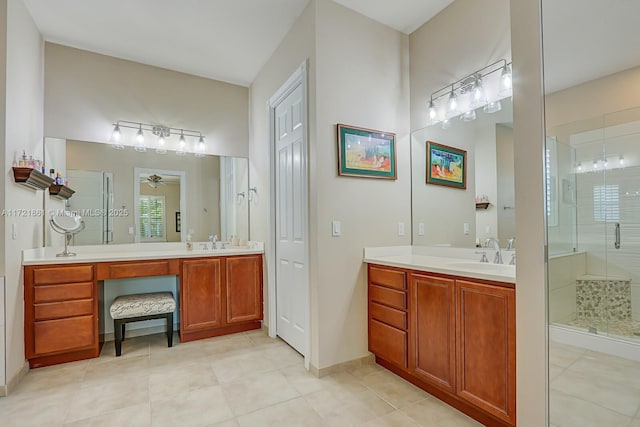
x,y
138,307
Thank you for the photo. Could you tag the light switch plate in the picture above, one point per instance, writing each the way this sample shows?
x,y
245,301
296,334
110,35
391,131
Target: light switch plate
x,y
336,228
421,229
14,231
487,229
131,232
465,228
401,229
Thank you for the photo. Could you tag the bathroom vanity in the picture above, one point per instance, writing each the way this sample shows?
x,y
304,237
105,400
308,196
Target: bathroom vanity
x,y
220,292
448,326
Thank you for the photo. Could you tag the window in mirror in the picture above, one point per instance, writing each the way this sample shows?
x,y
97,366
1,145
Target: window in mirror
x,y
152,218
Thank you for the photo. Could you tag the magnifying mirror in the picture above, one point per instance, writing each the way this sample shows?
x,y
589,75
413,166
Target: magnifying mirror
x,y
68,224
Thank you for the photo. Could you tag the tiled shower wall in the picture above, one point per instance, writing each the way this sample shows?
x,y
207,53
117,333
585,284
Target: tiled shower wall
x,y
563,270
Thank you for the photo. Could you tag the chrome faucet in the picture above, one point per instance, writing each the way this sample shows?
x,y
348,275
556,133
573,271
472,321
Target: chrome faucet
x,y
213,239
510,243
497,259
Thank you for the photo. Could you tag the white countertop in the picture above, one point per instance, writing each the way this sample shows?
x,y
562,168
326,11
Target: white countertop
x,y
444,260
132,252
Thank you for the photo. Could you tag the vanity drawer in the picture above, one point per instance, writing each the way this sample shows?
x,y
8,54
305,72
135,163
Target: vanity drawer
x,y
388,315
53,336
65,292
387,277
388,343
386,296
123,270
50,275
57,310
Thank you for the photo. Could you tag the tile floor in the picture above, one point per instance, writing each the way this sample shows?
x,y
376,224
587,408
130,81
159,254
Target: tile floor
x,y
238,380
590,389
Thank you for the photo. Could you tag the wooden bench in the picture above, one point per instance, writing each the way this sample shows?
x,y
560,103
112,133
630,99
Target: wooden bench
x,y
138,307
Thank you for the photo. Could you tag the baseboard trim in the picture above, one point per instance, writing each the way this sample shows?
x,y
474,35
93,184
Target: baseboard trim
x,y
11,385
342,367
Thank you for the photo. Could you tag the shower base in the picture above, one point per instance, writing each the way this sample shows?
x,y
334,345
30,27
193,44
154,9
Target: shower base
x,y
624,328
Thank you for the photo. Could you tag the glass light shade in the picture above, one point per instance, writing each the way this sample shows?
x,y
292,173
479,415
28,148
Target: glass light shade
x,y
621,161
492,107
201,148
506,80
469,116
446,124
432,110
161,145
116,138
140,142
478,97
453,102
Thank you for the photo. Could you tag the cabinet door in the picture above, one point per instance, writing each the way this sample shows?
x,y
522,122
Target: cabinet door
x,y
486,347
432,328
244,289
200,304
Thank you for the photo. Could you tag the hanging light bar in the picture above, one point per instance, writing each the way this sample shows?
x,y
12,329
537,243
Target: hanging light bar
x,y
471,92
163,133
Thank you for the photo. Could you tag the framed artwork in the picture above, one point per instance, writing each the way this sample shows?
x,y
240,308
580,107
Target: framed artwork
x,y
446,165
366,153
178,225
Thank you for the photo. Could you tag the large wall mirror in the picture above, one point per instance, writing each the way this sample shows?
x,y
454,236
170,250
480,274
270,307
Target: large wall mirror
x,y
592,115
125,196
450,216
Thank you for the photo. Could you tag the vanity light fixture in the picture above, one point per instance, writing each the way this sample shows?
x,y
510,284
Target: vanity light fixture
x,y
579,167
469,116
482,88
446,124
621,160
164,140
116,138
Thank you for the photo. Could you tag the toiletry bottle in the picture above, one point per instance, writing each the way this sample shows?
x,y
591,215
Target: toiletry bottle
x,y
58,179
24,160
189,243
52,174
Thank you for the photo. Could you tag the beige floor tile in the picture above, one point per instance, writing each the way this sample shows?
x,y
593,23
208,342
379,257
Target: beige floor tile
x,y
364,370
281,355
563,355
226,346
200,407
180,379
635,422
393,389
109,395
258,391
342,382
229,423
59,377
434,413
131,347
554,371
37,410
241,365
293,413
593,386
394,419
133,416
302,380
260,339
137,368
569,411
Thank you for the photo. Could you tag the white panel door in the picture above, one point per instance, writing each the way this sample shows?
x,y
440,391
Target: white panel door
x,y
291,221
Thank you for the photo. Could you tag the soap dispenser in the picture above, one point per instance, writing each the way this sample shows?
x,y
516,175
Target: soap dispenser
x,y
189,243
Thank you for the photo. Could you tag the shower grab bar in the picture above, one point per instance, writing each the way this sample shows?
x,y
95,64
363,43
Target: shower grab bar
x,y
617,243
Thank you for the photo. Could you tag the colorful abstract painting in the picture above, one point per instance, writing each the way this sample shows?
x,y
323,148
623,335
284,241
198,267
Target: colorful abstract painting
x,y
446,165
366,153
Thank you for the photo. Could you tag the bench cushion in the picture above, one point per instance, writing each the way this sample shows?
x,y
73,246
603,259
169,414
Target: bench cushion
x,y
137,305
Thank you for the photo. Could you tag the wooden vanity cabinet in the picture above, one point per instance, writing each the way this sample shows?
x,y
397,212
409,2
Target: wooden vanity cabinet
x,y
486,347
388,314
459,344
433,334
220,296
61,313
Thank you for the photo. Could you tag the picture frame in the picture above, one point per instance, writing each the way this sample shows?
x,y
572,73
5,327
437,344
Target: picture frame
x,y
366,153
178,223
446,166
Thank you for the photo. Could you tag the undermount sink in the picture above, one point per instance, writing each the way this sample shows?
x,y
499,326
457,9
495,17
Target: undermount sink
x,y
484,267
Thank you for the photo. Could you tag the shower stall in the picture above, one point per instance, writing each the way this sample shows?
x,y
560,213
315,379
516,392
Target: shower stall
x,y
593,218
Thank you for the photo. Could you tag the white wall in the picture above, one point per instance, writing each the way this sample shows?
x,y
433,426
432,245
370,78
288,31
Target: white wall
x,y
505,200
372,92
23,131
297,47
85,93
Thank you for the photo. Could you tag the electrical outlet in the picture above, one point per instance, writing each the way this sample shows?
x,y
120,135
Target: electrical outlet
x,y
487,229
421,229
401,229
336,228
131,232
